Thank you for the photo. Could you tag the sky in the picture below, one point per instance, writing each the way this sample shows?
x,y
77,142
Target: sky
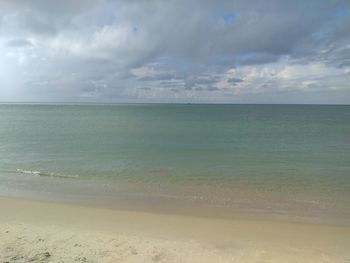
x,y
199,51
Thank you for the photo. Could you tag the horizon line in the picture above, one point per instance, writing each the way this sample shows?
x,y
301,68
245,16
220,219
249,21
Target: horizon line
x,y
153,103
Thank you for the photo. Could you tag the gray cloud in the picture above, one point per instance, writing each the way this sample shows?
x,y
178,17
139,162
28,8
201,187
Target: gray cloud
x,y
160,76
19,42
111,50
212,89
234,81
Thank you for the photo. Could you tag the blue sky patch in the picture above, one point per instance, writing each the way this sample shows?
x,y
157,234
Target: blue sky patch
x,y
229,17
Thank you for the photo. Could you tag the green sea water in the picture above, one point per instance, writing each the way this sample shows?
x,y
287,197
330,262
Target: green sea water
x,y
275,153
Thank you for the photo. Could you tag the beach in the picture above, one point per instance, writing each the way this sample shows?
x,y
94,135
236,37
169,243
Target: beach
x,y
33,231
162,183
174,131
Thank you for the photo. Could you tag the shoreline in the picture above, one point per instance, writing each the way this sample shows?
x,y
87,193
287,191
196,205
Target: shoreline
x,y
88,234
177,199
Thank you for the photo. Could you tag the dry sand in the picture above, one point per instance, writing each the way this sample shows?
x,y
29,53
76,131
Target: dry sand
x,y
33,231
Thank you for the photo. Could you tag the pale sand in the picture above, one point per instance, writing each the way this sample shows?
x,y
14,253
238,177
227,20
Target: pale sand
x,y
47,232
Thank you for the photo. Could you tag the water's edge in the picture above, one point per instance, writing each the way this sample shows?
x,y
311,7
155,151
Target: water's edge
x,y
192,200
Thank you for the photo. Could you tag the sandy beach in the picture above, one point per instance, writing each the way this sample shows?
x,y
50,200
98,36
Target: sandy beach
x,y
174,131
32,231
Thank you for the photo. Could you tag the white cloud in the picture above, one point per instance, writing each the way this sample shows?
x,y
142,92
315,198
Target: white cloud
x,y
174,50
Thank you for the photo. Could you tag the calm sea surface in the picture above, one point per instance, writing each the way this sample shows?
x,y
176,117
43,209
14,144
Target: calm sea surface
x,y
276,158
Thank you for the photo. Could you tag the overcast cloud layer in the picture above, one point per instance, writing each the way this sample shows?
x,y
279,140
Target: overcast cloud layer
x,y
238,51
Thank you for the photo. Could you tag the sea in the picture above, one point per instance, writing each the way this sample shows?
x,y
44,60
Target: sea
x,y
288,162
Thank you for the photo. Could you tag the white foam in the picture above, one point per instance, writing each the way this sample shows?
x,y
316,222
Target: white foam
x,y
36,173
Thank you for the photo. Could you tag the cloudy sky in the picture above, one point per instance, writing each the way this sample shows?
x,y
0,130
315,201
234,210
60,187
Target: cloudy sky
x,y
238,51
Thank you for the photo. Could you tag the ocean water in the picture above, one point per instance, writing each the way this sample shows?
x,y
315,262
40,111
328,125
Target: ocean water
x,y
286,159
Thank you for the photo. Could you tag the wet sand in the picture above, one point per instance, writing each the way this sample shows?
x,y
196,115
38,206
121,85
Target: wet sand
x,y
32,231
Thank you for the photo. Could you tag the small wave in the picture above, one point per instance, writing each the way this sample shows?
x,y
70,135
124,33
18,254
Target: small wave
x,y
48,174
36,173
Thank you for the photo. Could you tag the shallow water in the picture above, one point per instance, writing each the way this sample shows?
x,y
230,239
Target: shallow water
x,y
277,158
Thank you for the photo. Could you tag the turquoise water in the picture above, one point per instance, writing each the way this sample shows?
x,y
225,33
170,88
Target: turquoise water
x,y
296,150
